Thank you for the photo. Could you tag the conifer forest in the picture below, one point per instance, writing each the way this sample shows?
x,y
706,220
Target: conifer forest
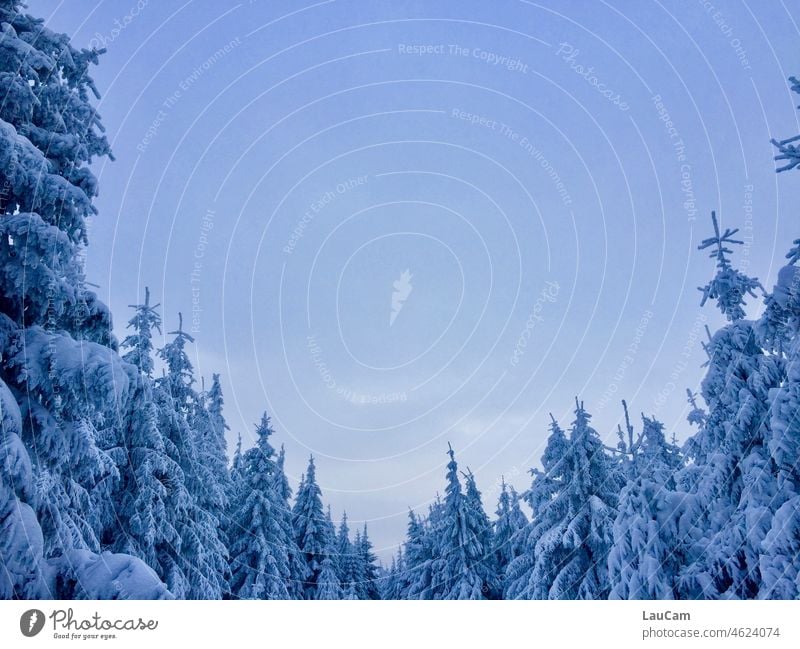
x,y
120,477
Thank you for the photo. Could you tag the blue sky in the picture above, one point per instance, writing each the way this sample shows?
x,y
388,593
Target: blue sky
x,y
543,171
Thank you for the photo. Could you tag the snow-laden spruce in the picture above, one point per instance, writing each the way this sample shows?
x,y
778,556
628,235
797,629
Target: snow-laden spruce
x,y
571,532
418,549
313,533
259,542
298,572
731,484
151,496
508,529
642,562
366,567
780,572
63,385
463,565
346,561
202,569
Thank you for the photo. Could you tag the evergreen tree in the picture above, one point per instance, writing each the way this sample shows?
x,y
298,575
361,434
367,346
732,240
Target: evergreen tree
x,y
529,575
311,532
731,484
151,497
327,582
60,363
298,572
390,582
780,548
394,582
643,563
729,287
417,578
214,452
203,570
484,536
236,471
346,560
258,550
509,526
211,452
140,342
574,505
592,492
459,570
366,582
21,540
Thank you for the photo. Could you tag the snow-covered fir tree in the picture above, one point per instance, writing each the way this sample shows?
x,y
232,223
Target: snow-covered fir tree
x,y
574,506
780,573
394,583
259,556
212,451
298,571
643,563
484,536
139,343
508,530
151,497
62,382
328,586
203,570
366,570
417,578
731,482
459,569
529,574
346,561
311,529
115,482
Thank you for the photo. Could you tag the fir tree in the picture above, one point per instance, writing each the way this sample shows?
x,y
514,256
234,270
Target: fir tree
x,y
643,563
729,286
731,483
298,572
209,426
459,570
60,364
203,570
417,577
574,505
509,527
484,536
311,531
346,560
780,575
390,582
236,470
140,342
529,575
366,577
327,582
213,440
152,497
21,540
258,550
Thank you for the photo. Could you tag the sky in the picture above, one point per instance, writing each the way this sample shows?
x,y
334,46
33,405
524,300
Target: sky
x,y
394,225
